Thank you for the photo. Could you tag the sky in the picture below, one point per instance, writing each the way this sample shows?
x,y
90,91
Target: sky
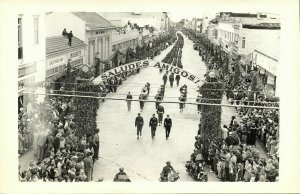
x,y
177,16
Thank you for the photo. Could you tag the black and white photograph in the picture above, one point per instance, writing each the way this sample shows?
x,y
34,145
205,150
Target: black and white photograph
x,y
150,96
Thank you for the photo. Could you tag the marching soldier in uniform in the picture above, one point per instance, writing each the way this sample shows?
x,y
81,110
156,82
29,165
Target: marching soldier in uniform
x,y
177,78
168,125
162,89
165,78
160,112
171,79
141,100
158,98
128,100
148,87
139,123
153,124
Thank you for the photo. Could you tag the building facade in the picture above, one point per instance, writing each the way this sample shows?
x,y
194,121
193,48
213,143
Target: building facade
x,y
249,18
59,54
249,36
212,32
91,28
266,58
121,41
227,35
31,52
241,39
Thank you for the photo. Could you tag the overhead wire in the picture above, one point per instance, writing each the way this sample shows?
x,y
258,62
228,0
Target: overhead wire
x,y
167,102
208,89
124,94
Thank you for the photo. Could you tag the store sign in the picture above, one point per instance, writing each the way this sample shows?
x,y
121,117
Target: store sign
x,y
57,61
144,64
76,55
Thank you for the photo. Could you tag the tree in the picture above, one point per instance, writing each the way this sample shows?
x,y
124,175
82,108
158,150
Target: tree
x,y
210,121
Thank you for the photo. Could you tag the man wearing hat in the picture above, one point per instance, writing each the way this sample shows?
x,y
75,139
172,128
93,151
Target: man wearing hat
x,y
139,123
168,125
166,170
153,124
121,176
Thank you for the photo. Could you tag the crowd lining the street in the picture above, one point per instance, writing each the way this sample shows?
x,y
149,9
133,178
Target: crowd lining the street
x,y
63,153
234,156
63,156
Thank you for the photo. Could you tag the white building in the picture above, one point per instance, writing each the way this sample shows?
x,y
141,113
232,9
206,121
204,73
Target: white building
x,y
94,30
122,40
227,35
212,31
59,53
250,36
205,24
266,58
249,18
31,51
241,39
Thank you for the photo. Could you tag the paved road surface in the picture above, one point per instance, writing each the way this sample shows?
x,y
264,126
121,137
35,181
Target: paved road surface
x,y
144,159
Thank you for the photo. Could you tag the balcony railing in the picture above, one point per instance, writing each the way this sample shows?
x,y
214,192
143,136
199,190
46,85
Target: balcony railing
x,y
20,53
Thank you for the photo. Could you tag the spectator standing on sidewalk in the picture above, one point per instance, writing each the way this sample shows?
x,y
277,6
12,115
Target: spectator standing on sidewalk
x,y
96,144
88,165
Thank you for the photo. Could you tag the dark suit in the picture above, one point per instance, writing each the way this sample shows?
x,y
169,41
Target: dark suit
x,y
139,123
153,124
168,125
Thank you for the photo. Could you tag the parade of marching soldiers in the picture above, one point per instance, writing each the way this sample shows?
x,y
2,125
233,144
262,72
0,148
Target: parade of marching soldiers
x,y
197,116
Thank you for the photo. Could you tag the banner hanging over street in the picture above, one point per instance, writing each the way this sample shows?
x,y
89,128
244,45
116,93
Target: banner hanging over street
x,y
147,63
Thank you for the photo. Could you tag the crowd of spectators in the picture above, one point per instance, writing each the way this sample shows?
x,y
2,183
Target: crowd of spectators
x,y
64,150
234,156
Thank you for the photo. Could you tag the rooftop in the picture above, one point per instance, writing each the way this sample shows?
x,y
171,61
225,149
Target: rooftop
x,y
272,26
56,45
244,15
270,49
94,21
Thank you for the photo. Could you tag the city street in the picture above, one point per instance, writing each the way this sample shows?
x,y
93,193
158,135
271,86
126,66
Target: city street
x,y
77,70
144,158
